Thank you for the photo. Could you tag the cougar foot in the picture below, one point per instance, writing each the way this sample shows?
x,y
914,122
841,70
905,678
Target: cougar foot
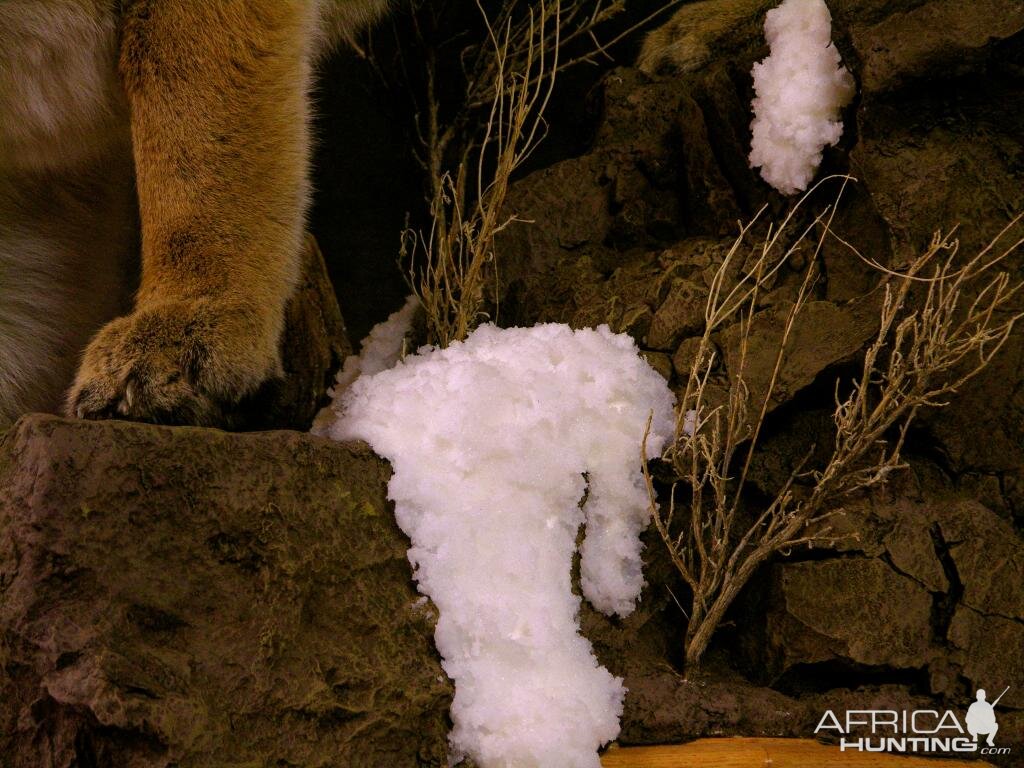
x,y
177,362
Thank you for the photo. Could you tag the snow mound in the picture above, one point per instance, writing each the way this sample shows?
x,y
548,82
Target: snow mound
x,y
800,89
381,348
494,444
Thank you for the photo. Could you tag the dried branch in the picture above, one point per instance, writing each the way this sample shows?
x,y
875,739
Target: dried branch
x,y
460,244
470,158
926,347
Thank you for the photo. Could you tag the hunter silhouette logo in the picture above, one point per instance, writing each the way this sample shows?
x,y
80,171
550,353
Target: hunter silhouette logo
x,y
981,717
920,730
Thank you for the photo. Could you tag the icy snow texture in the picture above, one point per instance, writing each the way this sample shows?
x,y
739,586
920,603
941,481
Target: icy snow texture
x,y
381,348
800,89
489,440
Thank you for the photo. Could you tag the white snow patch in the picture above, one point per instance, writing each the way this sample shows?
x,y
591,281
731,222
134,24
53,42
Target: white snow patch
x,y
801,88
489,440
380,350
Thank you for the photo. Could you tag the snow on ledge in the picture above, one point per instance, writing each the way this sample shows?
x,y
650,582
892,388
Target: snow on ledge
x,y
801,88
494,442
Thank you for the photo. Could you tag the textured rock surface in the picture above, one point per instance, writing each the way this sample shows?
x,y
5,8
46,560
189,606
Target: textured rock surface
x,y
858,609
934,141
925,607
313,346
194,598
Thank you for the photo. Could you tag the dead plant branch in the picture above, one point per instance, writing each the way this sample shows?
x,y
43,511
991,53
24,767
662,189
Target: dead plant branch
x,y
940,323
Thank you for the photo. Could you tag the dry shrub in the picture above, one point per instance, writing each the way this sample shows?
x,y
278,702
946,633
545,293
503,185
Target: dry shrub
x,y
460,243
470,159
940,323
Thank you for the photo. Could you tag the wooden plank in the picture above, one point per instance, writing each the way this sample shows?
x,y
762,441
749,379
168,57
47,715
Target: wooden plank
x,y
766,753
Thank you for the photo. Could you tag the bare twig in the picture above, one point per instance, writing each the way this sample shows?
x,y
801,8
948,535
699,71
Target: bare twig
x,y
460,245
926,347
470,158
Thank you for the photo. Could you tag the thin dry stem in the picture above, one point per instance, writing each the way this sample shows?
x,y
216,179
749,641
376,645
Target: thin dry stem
x,y
459,247
470,158
926,347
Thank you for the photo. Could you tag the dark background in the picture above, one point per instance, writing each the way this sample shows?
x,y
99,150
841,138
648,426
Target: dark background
x,y
365,175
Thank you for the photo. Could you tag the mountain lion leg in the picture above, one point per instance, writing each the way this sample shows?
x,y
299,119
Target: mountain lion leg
x,y
67,242
219,118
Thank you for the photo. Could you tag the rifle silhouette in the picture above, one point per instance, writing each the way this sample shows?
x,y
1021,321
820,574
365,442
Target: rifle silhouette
x,y
1000,696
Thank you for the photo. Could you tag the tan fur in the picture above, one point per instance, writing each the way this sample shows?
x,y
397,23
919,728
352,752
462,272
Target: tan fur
x,y
686,41
206,102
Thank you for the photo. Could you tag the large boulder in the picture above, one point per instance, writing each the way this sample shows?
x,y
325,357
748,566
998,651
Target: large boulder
x,y
190,597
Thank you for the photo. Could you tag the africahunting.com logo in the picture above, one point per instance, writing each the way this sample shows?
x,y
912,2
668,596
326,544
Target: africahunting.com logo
x,y
919,730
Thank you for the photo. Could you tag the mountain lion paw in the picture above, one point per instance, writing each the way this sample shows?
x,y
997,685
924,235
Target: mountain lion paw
x,y
177,362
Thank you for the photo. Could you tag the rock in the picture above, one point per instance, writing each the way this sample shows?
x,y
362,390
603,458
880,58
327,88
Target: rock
x,y
856,609
987,644
313,347
680,315
664,708
685,354
895,41
711,203
948,154
984,617
191,597
823,334
982,429
943,594
911,550
988,556
917,40
626,198
660,362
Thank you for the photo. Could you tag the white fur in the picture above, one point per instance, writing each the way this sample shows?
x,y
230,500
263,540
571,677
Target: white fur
x,y
68,214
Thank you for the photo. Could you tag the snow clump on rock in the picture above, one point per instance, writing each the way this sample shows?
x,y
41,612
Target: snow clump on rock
x,y
801,88
494,443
